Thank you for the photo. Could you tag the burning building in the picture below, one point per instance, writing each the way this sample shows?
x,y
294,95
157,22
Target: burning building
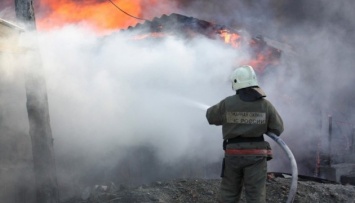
x,y
262,54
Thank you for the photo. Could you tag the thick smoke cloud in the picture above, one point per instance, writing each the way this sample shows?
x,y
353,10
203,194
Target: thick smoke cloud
x,y
115,99
126,110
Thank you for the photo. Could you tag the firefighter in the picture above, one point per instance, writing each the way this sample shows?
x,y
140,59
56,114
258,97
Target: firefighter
x,y
245,118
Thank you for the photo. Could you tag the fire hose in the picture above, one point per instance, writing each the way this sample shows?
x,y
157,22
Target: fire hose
x,y
282,144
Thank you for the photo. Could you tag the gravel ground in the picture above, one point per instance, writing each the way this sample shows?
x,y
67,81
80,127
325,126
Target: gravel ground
x,y
206,191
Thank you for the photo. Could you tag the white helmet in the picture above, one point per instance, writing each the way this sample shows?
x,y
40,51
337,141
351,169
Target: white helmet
x,y
242,77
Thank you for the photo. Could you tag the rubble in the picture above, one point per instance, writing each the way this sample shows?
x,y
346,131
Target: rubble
x,y
206,191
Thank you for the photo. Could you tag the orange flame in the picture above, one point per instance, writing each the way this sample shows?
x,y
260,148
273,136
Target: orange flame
x,y
230,38
103,17
259,60
100,15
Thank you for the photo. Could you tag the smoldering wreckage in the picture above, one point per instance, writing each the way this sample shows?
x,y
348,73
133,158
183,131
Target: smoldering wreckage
x,y
334,180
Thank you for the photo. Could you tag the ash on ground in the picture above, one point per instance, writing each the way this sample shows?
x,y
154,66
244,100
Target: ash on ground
x,y
206,191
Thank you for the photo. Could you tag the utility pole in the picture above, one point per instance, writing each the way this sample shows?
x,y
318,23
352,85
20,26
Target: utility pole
x,y
38,112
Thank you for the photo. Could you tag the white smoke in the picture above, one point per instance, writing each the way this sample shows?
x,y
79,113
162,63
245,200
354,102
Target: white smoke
x,y
108,95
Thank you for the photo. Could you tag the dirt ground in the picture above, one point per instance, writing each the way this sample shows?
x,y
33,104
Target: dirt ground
x,y
206,191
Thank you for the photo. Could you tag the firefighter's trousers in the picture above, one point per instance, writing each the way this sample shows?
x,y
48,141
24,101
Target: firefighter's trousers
x,y
249,172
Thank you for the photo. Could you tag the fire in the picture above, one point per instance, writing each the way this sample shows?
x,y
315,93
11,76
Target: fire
x,y
261,56
105,16
101,15
262,60
230,38
259,62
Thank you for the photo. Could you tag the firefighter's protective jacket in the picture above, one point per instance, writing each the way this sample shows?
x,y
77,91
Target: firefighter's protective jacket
x,y
245,118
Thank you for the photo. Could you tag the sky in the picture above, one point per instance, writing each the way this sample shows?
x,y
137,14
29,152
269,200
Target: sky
x,y
115,102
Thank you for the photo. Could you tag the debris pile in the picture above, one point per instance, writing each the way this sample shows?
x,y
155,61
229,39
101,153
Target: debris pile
x,y
206,191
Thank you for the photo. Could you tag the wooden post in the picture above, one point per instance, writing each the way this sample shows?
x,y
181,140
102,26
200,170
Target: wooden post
x,y
25,13
38,113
